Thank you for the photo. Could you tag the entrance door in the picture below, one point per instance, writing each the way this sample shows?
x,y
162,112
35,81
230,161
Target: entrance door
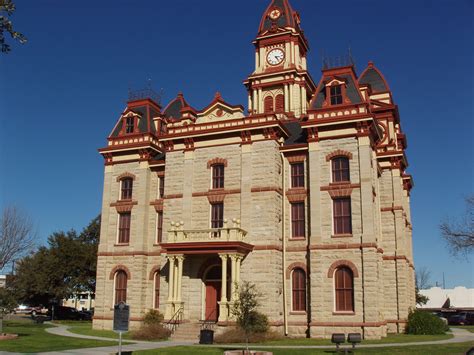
x,y
213,295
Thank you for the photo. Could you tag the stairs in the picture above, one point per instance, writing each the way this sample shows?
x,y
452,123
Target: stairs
x,y
187,332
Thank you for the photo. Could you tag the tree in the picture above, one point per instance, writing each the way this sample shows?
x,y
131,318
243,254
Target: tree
x,y
16,235
422,282
65,267
245,311
459,234
7,7
7,304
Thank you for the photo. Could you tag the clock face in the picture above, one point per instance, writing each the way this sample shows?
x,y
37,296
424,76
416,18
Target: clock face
x,y
275,56
275,14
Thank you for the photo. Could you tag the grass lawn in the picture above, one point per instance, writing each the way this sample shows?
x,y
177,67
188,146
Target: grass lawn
x,y
452,349
391,338
33,338
85,328
469,328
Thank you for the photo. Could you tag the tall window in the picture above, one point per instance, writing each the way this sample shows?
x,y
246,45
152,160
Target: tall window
x,y
129,124
280,103
161,188
297,175
340,170
124,228
159,227
298,284
297,220
336,95
120,287
217,215
218,176
268,104
344,287
127,189
156,286
342,216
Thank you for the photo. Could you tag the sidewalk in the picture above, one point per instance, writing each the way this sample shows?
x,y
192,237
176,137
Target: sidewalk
x,y
460,336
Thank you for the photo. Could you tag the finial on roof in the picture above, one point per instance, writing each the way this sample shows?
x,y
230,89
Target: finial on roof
x,y
180,94
371,64
217,95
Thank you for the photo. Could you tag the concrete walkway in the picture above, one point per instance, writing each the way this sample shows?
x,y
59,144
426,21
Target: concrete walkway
x,y
460,336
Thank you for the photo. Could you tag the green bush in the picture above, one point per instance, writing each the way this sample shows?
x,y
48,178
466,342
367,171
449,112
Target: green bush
x,y
153,317
258,321
235,335
424,323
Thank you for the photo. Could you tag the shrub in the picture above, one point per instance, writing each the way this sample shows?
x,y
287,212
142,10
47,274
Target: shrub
x,y
422,322
236,334
153,317
151,332
258,322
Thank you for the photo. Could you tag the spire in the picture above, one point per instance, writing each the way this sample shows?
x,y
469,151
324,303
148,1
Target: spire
x,y
279,14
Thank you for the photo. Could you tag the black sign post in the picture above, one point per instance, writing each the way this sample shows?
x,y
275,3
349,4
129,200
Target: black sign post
x,y
121,321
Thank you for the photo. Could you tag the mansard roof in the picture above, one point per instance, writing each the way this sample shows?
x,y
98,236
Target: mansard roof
x,y
374,78
173,109
346,74
146,110
288,17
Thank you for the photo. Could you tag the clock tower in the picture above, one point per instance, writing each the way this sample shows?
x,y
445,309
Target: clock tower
x,y
281,82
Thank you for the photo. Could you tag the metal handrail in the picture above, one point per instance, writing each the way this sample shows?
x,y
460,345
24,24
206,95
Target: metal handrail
x,y
207,323
174,322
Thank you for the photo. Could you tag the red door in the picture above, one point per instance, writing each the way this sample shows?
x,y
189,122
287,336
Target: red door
x,y
213,295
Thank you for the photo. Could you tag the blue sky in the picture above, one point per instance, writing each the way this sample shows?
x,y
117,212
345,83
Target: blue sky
x,y
62,92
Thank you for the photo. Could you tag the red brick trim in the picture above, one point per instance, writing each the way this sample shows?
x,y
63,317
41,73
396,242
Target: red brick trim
x,y
338,153
214,192
216,198
120,268
340,189
129,253
340,263
158,204
160,173
397,321
125,176
392,209
296,195
348,324
295,158
216,161
153,271
124,206
293,266
171,197
267,189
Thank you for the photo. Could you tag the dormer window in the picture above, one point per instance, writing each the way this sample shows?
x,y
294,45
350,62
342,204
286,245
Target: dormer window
x,y
130,125
336,94
126,189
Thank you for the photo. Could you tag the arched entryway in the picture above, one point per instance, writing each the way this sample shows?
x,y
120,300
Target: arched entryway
x,y
212,292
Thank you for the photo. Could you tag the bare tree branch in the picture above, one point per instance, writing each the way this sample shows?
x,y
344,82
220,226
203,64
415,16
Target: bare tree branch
x,y
460,234
16,235
422,278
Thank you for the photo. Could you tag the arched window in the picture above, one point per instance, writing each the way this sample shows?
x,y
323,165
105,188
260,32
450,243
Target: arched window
x,y
126,189
120,287
156,286
340,169
298,284
344,289
268,104
218,176
280,103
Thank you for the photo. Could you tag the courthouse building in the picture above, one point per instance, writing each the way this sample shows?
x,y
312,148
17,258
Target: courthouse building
x,y
304,193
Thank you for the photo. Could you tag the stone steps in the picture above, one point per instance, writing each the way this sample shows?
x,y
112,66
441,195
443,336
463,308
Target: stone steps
x,y
187,332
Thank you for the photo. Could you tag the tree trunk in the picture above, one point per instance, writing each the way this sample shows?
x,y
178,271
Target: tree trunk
x,y
1,324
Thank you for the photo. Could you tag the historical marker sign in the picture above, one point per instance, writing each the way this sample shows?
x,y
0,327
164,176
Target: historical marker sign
x,y
121,317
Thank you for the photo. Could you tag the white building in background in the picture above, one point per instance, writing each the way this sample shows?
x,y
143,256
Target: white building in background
x,y
82,301
3,280
459,297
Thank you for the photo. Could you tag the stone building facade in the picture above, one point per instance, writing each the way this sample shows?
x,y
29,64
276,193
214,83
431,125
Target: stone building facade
x,y
304,194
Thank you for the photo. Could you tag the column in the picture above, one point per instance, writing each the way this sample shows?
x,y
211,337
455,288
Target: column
x,y
171,278
224,278
286,98
250,103
180,277
233,259
260,101
238,260
290,96
255,102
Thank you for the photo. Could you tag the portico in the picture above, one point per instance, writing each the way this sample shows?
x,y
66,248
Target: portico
x,y
223,250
